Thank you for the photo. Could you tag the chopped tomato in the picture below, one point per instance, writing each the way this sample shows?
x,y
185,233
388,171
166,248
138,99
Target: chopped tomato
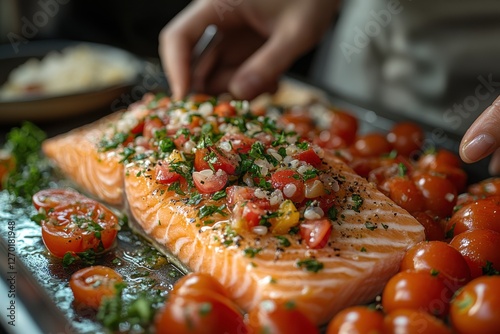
x,y
207,182
301,120
239,142
290,183
316,232
164,175
279,317
252,214
139,128
309,156
78,227
208,158
224,109
90,285
151,125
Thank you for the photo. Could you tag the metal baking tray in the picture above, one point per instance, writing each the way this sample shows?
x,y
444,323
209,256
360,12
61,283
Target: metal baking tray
x,y
42,299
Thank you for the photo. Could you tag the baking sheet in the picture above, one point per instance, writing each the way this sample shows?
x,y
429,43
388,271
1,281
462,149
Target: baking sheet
x,y
43,300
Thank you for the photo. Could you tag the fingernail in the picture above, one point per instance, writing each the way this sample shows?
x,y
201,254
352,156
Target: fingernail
x,y
246,87
479,147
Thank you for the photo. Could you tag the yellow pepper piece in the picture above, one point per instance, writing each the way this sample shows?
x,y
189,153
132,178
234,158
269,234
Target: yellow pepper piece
x,y
288,218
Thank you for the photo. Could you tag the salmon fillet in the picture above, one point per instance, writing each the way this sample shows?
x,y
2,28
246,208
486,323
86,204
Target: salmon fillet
x,y
357,262
266,212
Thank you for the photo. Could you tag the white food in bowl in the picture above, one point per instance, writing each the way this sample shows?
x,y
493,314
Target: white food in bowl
x,y
74,69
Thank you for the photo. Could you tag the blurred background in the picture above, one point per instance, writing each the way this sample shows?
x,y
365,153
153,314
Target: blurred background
x,y
437,63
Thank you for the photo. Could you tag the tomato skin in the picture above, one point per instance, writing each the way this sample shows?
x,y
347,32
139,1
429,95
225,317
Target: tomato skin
x,y
442,157
478,247
476,307
440,257
457,176
279,317
371,145
151,125
316,232
301,120
481,214
224,109
164,175
487,187
406,138
196,281
91,284
310,157
239,142
409,321
50,198
344,126
416,290
226,162
61,233
405,193
208,182
357,319
432,228
440,195
201,312
284,177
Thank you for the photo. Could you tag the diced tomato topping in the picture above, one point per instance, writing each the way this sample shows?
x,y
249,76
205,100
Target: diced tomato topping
x,y
164,175
139,128
309,156
206,158
239,142
180,140
151,125
290,183
224,109
252,214
316,232
206,181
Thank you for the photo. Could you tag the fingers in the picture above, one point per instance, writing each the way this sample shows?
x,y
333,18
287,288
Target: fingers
x,y
294,34
483,137
177,40
494,167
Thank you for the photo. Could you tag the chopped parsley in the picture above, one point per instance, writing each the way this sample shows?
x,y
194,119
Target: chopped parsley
x,y
195,199
251,252
176,187
489,270
402,169
166,145
219,195
310,265
283,241
371,226
358,201
118,138
87,258
333,213
209,210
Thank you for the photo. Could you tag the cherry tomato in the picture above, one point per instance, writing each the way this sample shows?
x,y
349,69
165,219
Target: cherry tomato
x,y
345,126
410,321
357,320
309,156
456,175
50,198
432,228
487,187
301,120
440,195
316,232
224,109
480,250
198,97
78,227
290,183
279,318
251,213
198,282
201,312
416,290
439,258
406,138
476,307
91,284
164,175
207,182
405,193
481,214
371,145
442,157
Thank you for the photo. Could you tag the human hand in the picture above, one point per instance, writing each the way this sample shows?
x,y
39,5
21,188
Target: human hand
x,y
483,138
260,40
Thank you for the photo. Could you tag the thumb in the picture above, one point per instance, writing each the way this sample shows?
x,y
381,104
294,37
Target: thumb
x,y
483,137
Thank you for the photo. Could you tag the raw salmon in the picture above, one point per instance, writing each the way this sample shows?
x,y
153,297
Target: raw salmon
x,y
234,194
